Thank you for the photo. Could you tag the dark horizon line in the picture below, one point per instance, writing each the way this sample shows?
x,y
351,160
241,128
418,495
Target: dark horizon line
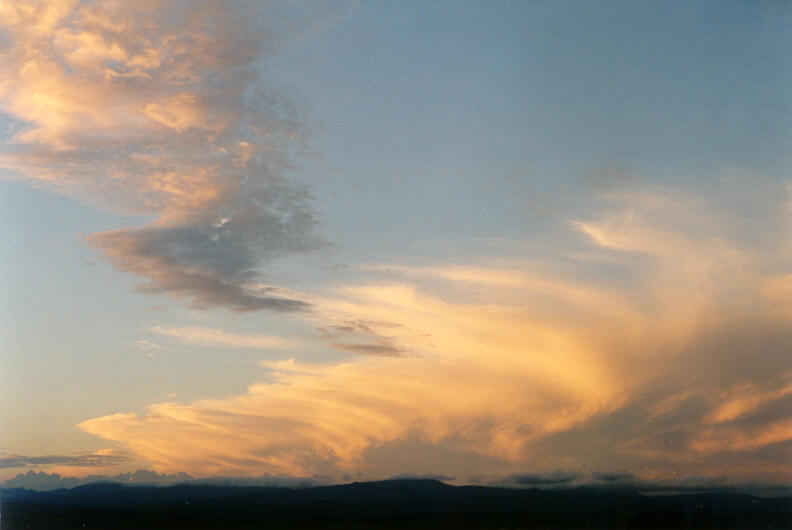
x,y
395,503
642,487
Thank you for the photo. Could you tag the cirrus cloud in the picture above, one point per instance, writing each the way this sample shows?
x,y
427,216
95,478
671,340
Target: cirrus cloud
x,y
663,353
223,339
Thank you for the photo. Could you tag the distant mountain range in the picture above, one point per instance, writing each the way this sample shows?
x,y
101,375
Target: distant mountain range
x,y
404,503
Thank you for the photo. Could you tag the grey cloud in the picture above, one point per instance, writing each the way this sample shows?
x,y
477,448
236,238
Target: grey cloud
x,y
48,481
359,337
424,476
709,483
353,328
412,457
612,476
739,348
625,479
179,128
542,479
90,460
212,259
279,481
379,348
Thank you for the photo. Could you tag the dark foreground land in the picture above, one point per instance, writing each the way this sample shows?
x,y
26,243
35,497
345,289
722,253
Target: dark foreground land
x,y
392,504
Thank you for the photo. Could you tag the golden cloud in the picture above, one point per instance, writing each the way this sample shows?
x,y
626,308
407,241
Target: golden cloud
x,y
152,107
682,360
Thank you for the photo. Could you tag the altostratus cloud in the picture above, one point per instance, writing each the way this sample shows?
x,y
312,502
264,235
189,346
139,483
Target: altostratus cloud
x,y
662,348
153,107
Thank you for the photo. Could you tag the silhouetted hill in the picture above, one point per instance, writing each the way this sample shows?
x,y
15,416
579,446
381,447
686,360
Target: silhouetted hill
x,y
406,503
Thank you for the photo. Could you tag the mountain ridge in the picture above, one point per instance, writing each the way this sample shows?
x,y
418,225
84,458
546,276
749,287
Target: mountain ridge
x,y
423,503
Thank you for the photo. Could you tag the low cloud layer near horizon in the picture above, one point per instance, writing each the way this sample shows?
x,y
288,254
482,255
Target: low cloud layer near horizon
x,y
42,481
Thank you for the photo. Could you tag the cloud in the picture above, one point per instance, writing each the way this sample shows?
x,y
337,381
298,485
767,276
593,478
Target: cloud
x,y
544,479
275,481
154,108
380,348
359,337
626,480
49,481
39,480
657,350
86,460
612,476
425,476
144,344
218,338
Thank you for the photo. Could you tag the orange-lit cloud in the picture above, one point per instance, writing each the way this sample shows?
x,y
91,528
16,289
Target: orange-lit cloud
x,y
679,362
151,107
663,344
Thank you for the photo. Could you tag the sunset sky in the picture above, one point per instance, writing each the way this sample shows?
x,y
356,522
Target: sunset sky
x,y
496,242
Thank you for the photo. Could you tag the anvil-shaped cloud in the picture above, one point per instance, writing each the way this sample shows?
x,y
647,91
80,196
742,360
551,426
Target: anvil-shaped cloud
x,y
661,346
659,341
150,107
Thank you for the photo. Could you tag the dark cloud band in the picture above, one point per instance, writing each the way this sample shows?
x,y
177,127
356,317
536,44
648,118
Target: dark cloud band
x,y
61,460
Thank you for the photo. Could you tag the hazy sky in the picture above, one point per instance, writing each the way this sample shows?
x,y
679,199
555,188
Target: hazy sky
x,y
550,240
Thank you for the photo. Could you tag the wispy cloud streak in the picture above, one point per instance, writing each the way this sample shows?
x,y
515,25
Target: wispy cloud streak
x,y
223,339
677,362
86,460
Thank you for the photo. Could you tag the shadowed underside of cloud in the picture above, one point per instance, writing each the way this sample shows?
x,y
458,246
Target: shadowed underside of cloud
x,y
153,107
676,364
425,476
358,337
89,460
545,479
613,476
380,348
188,262
48,481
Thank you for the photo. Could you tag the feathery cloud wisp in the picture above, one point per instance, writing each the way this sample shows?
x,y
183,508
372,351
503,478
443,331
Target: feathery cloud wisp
x,y
223,339
677,360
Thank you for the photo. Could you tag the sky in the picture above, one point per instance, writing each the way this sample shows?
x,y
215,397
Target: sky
x,y
528,243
